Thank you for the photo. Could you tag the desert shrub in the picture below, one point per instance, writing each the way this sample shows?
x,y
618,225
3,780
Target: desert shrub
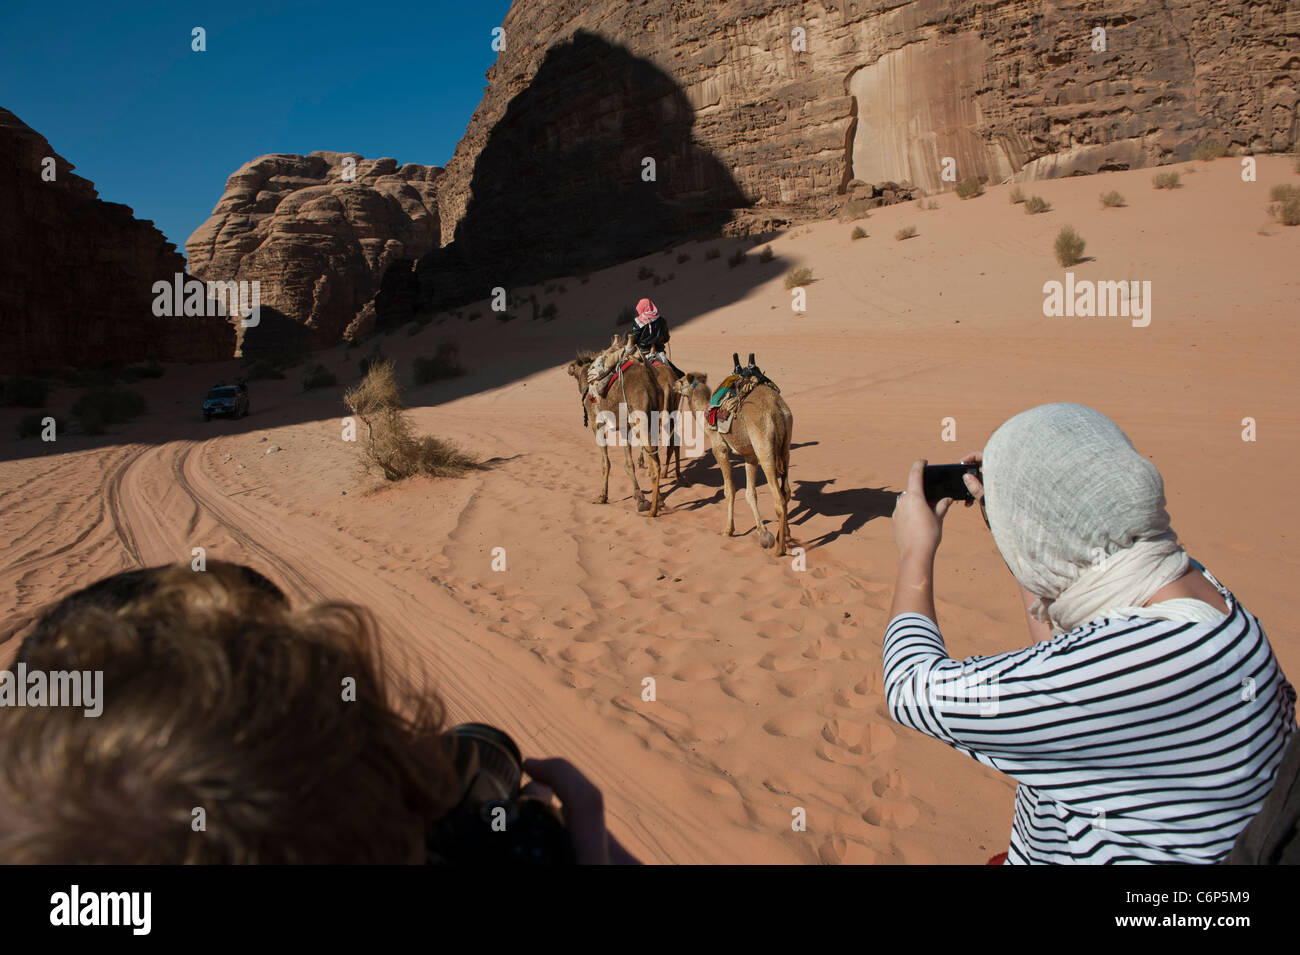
x,y
1069,247
905,233
645,273
150,369
505,317
317,376
766,254
25,392
796,277
98,407
855,209
1285,206
736,258
626,316
712,253
549,311
261,368
390,445
1037,204
32,423
969,189
443,363
367,361
1112,200
1166,180
927,205
1017,195
858,233
1208,151
683,258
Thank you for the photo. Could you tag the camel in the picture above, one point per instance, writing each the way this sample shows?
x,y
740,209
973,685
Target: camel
x,y
640,391
665,377
760,433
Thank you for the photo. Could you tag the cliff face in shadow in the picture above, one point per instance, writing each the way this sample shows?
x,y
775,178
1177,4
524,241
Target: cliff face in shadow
x,y
77,273
592,163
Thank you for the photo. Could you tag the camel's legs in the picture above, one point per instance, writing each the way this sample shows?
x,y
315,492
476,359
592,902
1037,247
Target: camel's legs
x,y
724,465
641,503
751,495
604,467
652,462
779,499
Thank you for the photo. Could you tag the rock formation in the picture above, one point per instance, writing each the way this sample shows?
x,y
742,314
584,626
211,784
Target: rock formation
x,y
77,273
317,232
794,100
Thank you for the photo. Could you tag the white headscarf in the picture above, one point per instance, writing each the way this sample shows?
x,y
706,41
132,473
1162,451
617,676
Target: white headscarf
x,y
1079,515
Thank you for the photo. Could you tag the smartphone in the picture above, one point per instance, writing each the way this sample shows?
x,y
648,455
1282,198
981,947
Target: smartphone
x,y
948,480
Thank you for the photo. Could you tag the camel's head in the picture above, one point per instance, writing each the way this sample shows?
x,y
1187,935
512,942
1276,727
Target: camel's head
x,y
577,369
684,385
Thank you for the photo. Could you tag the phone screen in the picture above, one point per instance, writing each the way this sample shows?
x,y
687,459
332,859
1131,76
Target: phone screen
x,y
947,480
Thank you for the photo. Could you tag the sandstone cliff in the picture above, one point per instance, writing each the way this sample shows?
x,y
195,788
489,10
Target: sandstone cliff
x,y
76,273
317,232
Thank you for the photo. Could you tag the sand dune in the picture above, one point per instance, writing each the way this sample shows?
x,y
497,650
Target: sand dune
x,y
767,678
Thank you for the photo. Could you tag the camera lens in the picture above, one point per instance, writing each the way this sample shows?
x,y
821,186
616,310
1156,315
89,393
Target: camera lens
x,y
488,760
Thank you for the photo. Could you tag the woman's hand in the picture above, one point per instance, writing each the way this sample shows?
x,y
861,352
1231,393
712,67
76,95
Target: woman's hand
x,y
918,528
583,808
972,482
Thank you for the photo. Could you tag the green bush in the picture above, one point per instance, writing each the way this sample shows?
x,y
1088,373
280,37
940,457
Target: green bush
x,y
1069,247
1112,200
766,255
969,189
858,233
1037,204
736,258
444,363
98,407
317,376
1166,180
906,232
683,258
797,277
25,392
549,311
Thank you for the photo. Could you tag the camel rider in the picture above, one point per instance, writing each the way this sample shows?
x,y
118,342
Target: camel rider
x,y
651,334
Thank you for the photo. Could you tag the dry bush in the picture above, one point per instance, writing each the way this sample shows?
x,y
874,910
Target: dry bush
x,y
1112,200
1017,195
390,445
905,233
858,233
1166,180
969,189
1285,207
855,209
1207,151
1036,204
1069,247
797,277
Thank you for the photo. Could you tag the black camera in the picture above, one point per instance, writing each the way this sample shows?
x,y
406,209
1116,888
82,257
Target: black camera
x,y
494,824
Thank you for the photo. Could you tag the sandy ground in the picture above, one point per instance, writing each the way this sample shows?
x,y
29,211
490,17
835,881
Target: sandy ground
x,y
767,677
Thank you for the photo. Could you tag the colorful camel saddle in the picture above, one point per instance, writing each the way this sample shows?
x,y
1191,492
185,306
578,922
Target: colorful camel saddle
x,y
735,388
603,385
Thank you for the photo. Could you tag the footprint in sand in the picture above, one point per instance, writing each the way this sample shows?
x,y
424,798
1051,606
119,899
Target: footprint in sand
x,y
798,682
820,649
838,850
577,680
742,688
893,785
583,652
796,723
850,700
888,814
695,670
871,683
771,661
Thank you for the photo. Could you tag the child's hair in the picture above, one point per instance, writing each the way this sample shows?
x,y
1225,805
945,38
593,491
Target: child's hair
x,y
234,729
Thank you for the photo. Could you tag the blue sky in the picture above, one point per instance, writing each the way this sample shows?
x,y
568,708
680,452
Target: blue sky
x,y
118,92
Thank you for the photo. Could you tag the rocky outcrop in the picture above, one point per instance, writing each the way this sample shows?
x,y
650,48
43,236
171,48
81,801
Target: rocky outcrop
x,y
77,273
317,232
772,107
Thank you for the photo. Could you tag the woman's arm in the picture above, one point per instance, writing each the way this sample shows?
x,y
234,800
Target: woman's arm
x,y
917,531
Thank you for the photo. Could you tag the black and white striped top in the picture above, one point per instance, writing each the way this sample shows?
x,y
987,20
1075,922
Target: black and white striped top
x,y
1134,740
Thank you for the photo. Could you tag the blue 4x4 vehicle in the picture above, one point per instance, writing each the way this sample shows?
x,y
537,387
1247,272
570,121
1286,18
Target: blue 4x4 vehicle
x,y
226,400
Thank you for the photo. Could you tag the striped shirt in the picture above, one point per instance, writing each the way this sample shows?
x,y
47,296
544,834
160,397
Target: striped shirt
x,y
1134,740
